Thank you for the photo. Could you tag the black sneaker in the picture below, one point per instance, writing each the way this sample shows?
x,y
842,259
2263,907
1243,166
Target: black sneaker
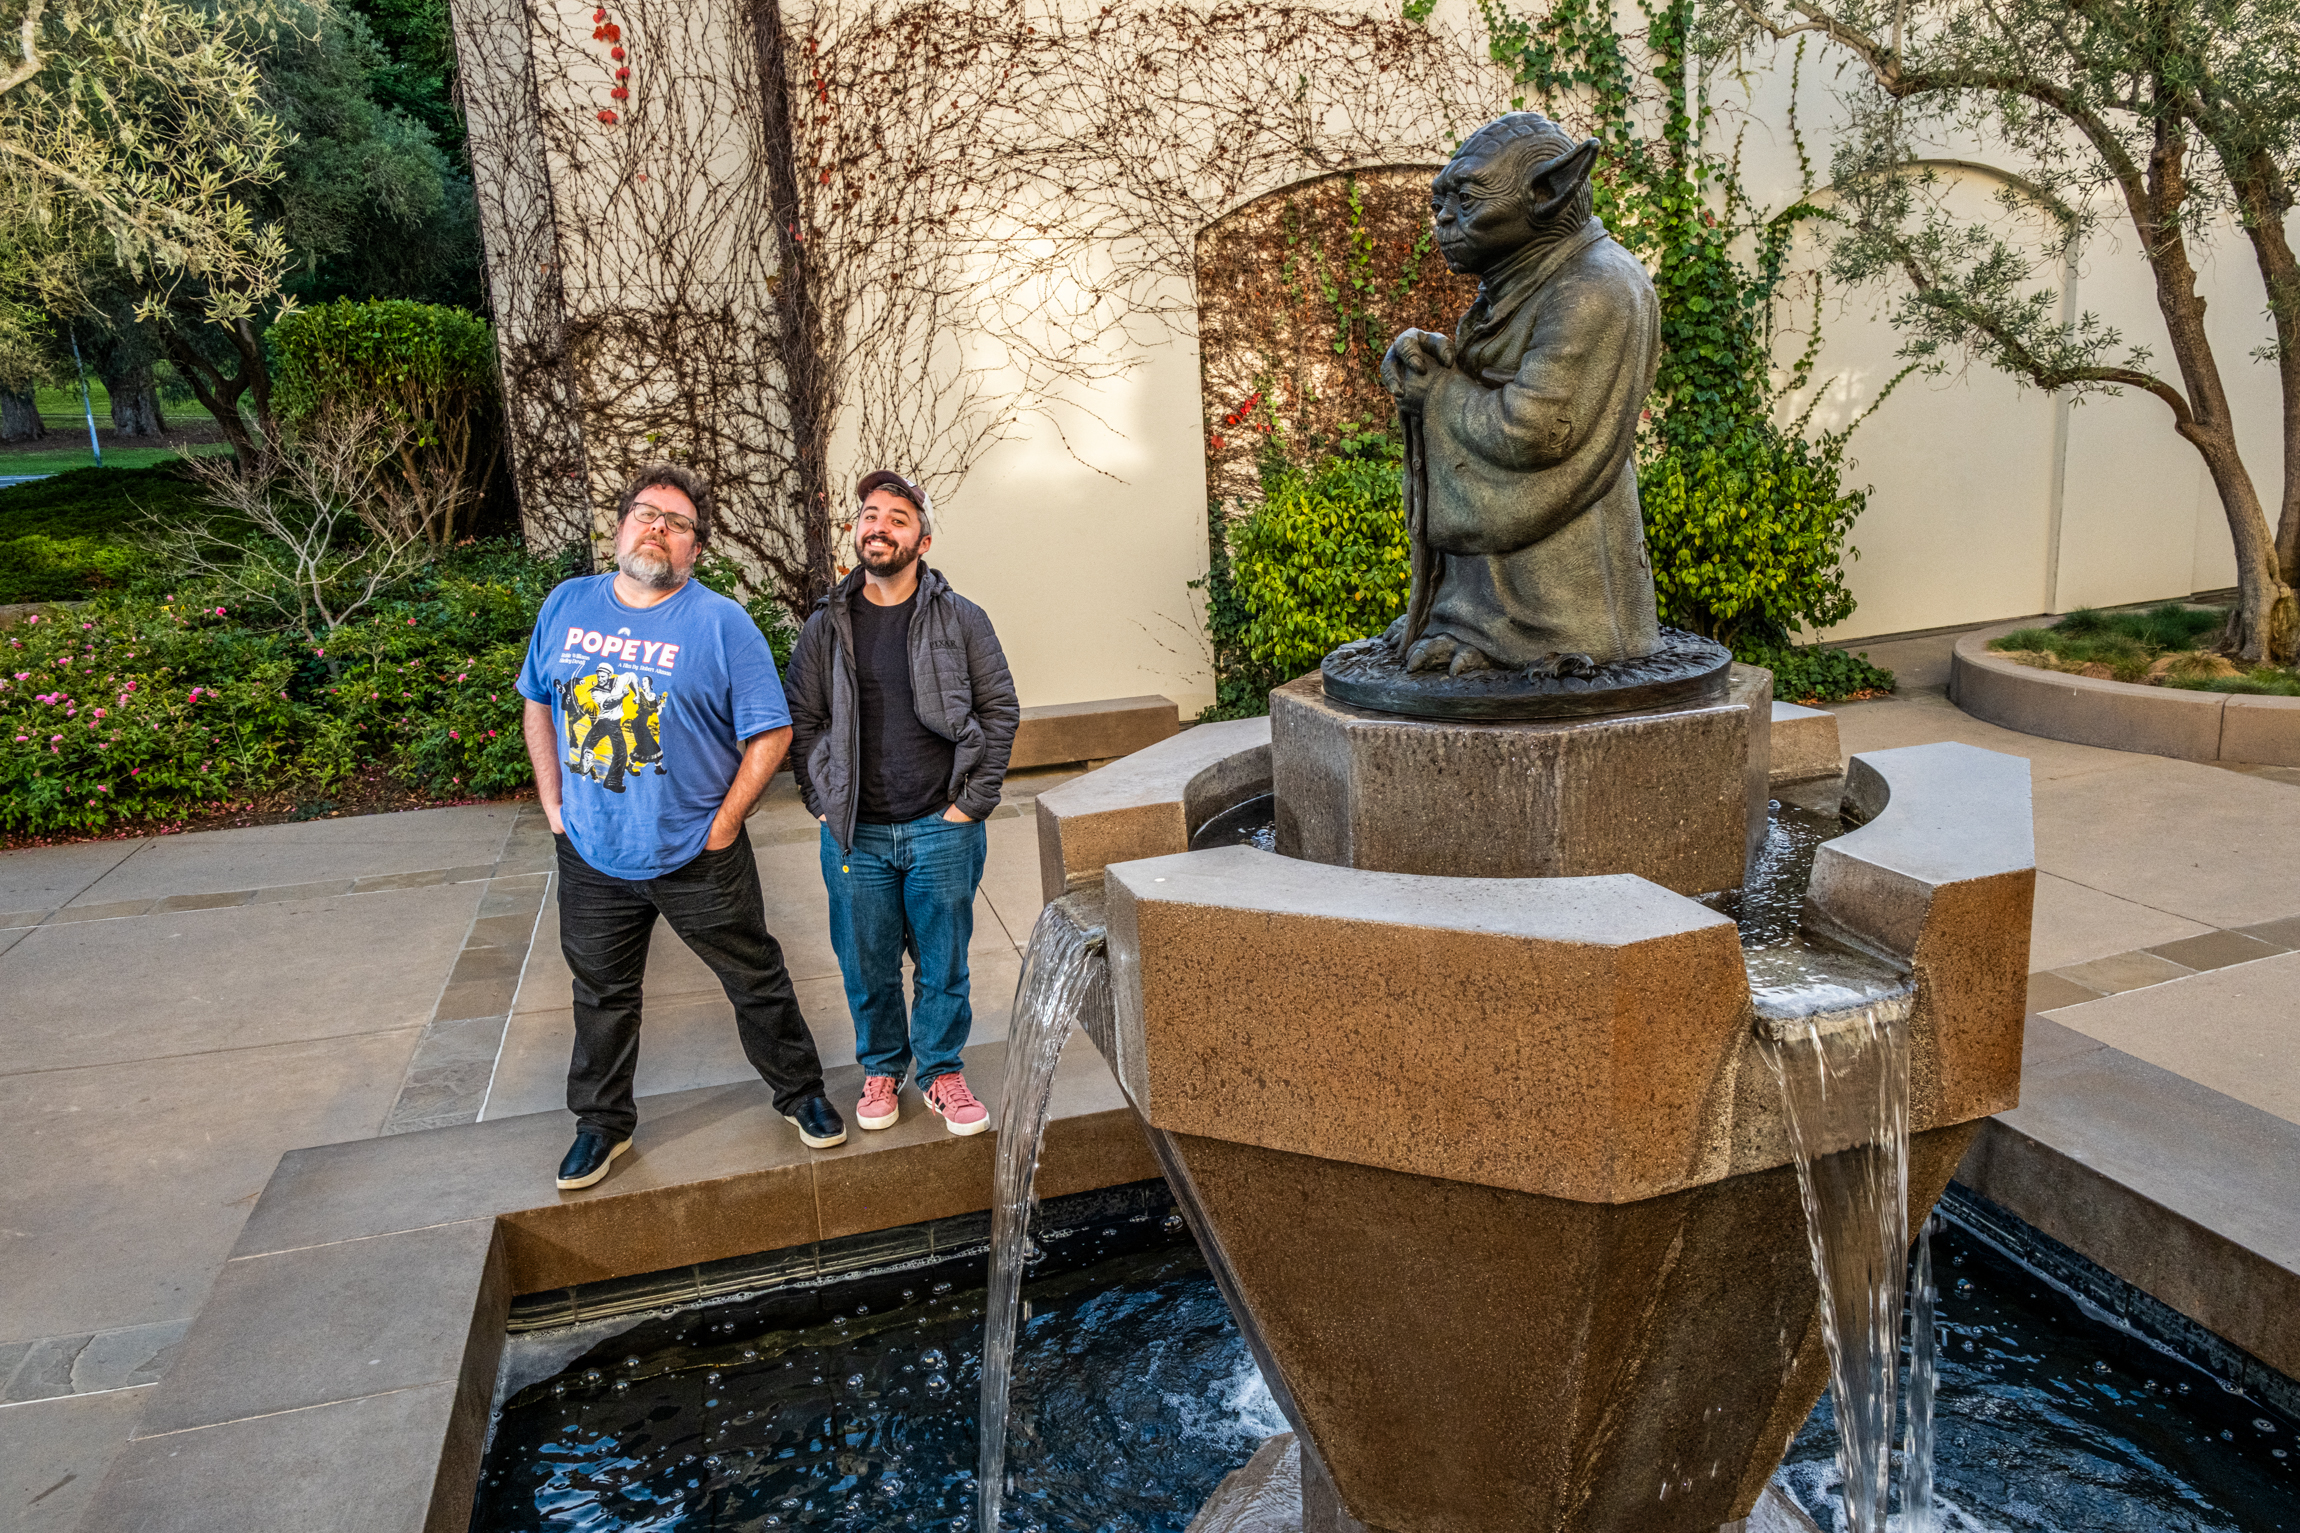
x,y
588,1159
818,1123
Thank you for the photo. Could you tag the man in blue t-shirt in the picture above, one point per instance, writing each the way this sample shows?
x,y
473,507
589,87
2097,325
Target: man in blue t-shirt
x,y
654,719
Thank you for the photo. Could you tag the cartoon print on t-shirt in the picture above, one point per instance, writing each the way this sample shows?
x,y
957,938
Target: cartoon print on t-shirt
x,y
616,716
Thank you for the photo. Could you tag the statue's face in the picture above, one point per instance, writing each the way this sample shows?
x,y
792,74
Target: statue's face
x,y
1478,216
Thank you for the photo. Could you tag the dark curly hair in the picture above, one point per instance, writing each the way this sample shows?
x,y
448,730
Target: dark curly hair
x,y
685,480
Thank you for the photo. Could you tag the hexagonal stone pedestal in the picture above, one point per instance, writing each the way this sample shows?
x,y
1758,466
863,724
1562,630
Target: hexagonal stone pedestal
x,y
1662,795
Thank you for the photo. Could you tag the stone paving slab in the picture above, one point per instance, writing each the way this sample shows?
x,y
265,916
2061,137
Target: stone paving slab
x,y
2075,923
269,856
2234,1029
44,878
54,1453
194,981
135,1178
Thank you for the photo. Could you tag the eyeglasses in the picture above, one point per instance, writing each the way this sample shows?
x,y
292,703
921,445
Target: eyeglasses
x,y
648,516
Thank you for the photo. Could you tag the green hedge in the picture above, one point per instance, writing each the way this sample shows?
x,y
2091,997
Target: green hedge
x,y
1322,562
417,362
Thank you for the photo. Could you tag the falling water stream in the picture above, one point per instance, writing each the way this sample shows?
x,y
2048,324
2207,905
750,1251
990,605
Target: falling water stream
x,y
1843,1066
1062,974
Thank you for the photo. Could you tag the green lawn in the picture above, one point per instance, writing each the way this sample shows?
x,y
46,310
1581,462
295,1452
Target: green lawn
x,y
63,460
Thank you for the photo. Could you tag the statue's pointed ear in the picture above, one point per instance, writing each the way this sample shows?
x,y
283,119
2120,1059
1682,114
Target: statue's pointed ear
x,y
1555,184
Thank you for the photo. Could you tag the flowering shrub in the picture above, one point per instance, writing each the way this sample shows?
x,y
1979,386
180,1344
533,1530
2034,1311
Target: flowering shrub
x,y
138,709
149,706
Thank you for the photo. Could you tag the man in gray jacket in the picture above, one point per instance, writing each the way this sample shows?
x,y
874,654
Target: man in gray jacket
x,y
904,714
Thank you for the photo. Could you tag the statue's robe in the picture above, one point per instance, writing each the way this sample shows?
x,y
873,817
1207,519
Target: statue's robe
x,y
1527,500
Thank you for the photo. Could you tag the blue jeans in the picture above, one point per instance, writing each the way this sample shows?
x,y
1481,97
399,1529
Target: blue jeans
x,y
906,888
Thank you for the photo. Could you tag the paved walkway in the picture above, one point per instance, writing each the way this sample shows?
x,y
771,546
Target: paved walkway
x,y
182,1010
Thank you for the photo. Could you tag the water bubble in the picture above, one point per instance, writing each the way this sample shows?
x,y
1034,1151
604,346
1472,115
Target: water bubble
x,y
1964,1285
622,1386
907,1295
2279,1452
854,1381
817,1379
594,1378
749,1353
559,1389
1173,1224
942,1288
1106,1234
2182,1386
838,1320
2263,1424
2098,1366
630,1362
932,1357
712,1377
936,1383
862,1309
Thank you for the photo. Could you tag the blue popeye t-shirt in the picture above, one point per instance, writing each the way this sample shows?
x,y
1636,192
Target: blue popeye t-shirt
x,y
653,705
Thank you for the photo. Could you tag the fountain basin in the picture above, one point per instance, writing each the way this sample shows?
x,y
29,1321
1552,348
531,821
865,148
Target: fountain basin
x,y
1490,1168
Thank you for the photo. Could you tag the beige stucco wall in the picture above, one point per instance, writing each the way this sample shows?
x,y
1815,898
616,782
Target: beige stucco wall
x,y
1082,530
1991,500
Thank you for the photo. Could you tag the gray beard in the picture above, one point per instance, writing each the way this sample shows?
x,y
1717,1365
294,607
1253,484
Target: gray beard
x,y
650,569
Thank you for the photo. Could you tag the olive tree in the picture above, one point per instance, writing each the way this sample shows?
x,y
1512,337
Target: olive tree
x,y
139,122
2168,116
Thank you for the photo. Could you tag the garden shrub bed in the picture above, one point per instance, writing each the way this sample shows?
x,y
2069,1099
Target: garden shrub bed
x,y
164,709
2164,646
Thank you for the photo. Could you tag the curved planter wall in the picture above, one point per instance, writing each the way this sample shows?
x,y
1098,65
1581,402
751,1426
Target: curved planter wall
x,y
2123,716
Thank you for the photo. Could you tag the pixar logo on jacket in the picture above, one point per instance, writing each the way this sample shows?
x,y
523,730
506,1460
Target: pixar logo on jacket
x,y
610,646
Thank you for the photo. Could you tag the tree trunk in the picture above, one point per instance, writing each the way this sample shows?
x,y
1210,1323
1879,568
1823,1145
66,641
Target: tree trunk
x,y
2266,622
136,403
805,340
219,394
20,418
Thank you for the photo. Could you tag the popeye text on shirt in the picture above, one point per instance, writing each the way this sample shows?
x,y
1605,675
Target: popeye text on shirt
x,y
652,706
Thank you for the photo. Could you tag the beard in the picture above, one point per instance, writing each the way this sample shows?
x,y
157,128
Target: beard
x,y
886,558
650,566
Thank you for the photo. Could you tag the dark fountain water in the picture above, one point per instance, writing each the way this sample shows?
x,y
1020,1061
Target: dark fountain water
x,y
858,1404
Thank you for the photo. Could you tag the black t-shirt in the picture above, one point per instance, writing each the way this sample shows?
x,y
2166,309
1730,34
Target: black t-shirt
x,y
905,765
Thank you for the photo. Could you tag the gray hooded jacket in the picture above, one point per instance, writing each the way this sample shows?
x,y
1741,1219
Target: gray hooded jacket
x,y
958,682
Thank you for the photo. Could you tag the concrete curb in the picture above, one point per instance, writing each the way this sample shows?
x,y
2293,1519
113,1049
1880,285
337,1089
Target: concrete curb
x,y
2122,716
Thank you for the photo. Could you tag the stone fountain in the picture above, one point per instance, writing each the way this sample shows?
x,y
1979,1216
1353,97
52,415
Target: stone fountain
x,y
1460,1088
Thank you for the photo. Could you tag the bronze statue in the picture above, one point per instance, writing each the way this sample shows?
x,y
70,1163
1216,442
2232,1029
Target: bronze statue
x,y
1521,489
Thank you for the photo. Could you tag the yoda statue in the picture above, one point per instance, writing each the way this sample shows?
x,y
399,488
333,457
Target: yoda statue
x,y
1521,493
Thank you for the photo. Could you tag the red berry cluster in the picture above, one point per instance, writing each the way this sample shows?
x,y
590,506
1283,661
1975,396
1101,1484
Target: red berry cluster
x,y
605,31
1243,413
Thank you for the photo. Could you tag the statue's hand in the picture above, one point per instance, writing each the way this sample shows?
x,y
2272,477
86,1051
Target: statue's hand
x,y
1415,358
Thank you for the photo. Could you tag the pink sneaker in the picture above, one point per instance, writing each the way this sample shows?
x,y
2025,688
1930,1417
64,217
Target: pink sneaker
x,y
879,1107
960,1112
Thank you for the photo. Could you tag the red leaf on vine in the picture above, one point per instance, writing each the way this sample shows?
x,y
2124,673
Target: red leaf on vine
x,y
614,33
622,74
826,178
607,117
599,15
614,53
619,93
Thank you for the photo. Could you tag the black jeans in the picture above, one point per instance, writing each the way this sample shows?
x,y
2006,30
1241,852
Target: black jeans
x,y
715,906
